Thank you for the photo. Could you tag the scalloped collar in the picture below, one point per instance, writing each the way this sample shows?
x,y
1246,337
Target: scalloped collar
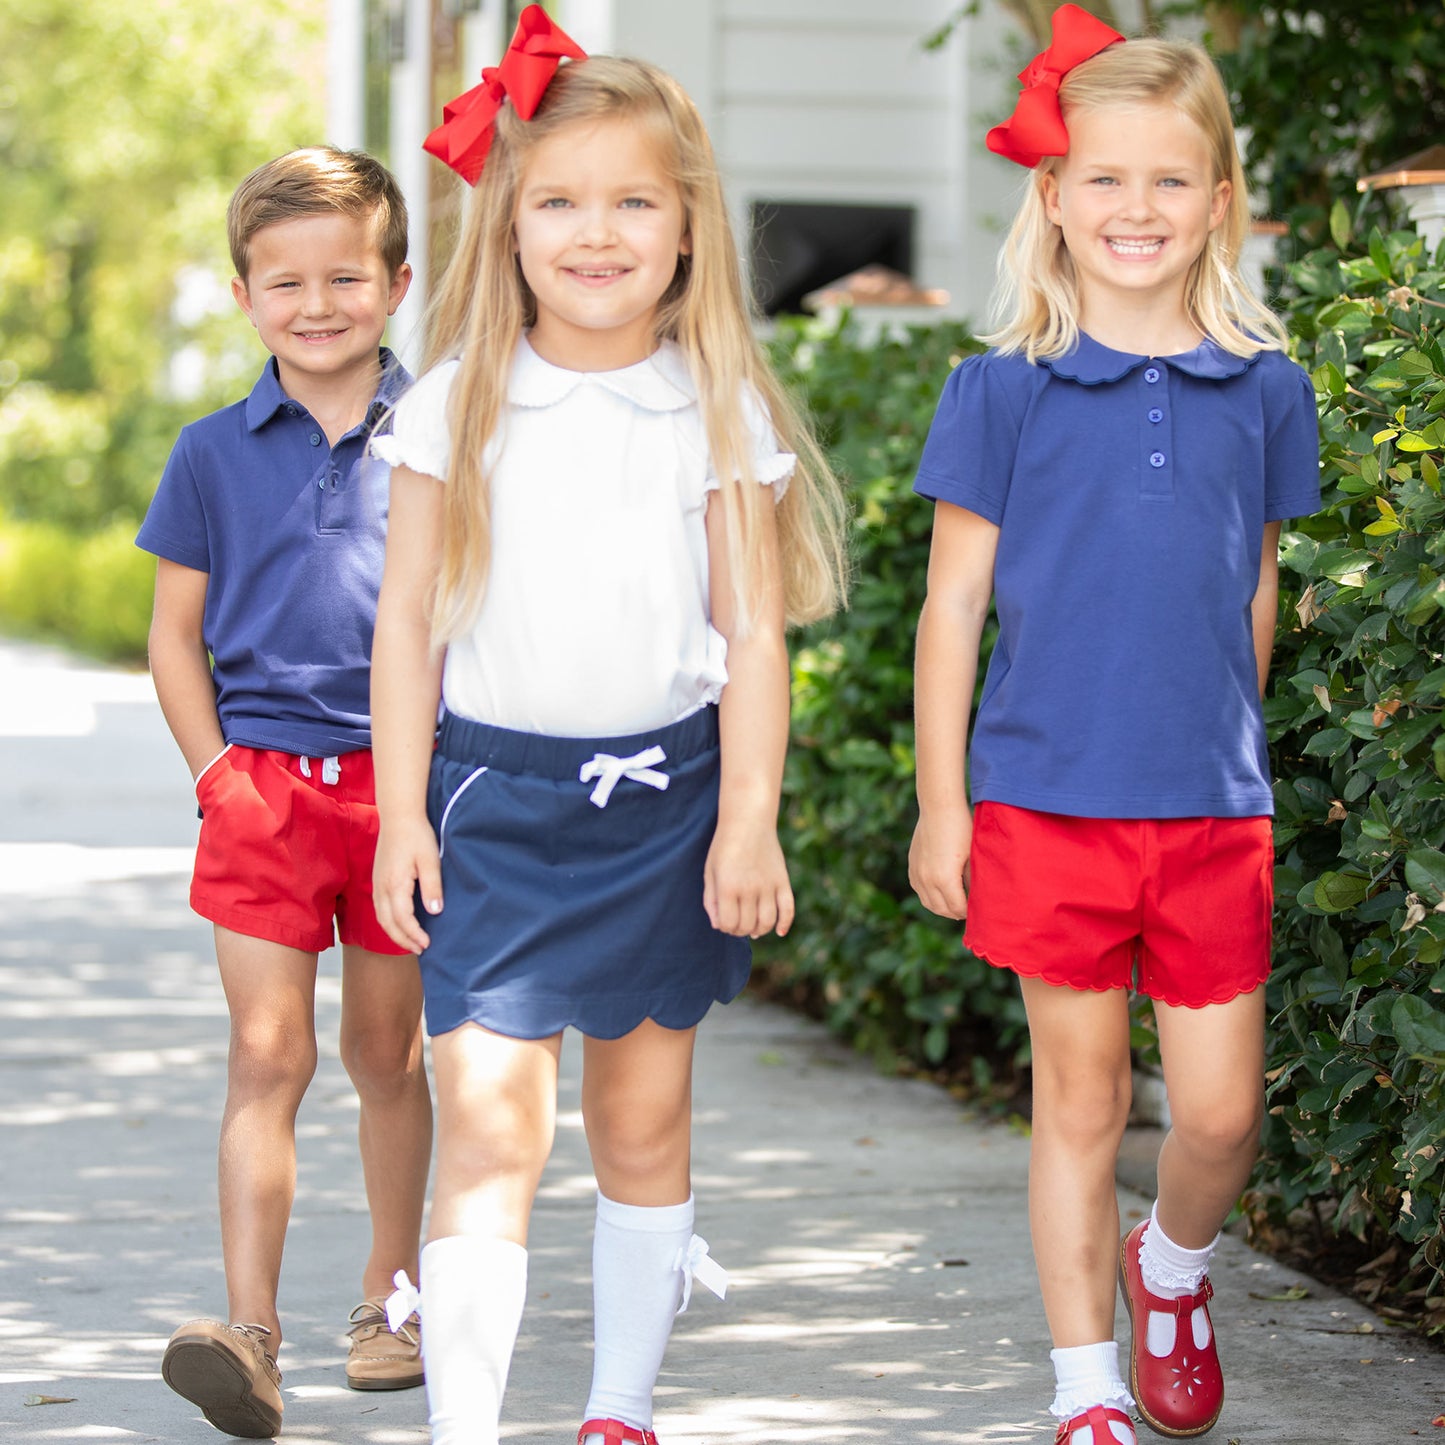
x,y
1092,363
660,383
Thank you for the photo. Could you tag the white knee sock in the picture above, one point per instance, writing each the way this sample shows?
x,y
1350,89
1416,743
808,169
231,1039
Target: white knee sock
x,y
472,1293
1087,1375
1171,1271
637,1286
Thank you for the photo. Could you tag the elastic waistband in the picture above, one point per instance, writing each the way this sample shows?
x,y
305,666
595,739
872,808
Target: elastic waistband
x,y
484,745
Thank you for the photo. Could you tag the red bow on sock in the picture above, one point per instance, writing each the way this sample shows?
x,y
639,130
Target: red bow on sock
x,y
464,137
1036,128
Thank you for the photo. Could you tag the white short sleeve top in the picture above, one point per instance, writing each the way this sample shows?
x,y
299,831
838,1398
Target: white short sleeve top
x,y
596,619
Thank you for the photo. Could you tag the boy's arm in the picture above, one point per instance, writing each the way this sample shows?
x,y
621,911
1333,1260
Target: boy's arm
x,y
950,628
406,679
745,880
180,665
1264,610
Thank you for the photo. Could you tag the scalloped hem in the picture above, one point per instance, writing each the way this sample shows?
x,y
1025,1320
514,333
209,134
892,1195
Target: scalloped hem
x,y
1048,976
1053,978
534,1019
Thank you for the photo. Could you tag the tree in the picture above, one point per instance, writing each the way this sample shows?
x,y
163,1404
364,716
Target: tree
x,y
1329,90
123,130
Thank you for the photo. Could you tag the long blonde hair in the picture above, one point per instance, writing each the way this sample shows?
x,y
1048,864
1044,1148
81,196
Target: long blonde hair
x,y
1036,306
483,304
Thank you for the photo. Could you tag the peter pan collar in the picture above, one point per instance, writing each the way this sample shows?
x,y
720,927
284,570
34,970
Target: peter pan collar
x,y
1092,363
660,383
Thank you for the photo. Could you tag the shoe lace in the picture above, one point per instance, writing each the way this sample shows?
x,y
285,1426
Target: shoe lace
x,y
370,1314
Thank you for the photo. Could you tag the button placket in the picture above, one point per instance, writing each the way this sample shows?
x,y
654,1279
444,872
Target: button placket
x,y
1156,437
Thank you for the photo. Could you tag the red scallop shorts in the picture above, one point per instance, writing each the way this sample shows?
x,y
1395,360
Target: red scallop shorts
x,y
285,857
1178,908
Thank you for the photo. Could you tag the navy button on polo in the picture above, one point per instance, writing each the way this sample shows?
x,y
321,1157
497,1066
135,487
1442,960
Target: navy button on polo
x,y
316,439
1156,415
1151,374
1156,459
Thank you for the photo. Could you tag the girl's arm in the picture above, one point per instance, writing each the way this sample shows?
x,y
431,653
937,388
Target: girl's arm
x,y
1264,610
745,881
950,628
180,665
406,680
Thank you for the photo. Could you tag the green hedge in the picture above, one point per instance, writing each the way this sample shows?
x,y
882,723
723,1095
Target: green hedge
x,y
89,590
1357,1104
1357,1109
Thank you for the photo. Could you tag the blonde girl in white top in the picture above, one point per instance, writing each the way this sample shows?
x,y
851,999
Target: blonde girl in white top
x,y
604,511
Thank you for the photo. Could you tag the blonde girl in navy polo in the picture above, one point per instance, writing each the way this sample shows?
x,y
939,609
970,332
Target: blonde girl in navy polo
x,y
603,512
1113,474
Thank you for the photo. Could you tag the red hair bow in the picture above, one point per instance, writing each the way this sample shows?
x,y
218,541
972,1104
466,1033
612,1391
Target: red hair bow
x,y
1036,128
464,137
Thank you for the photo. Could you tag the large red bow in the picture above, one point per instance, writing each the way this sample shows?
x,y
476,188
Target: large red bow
x,y
464,137
1036,128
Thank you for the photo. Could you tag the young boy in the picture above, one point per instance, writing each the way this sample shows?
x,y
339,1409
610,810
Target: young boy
x,y
268,526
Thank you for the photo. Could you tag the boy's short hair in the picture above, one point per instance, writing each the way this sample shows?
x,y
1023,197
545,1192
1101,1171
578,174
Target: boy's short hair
x,y
318,180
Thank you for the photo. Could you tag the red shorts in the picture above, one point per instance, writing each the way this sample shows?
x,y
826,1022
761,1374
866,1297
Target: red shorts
x,y
1178,908
285,857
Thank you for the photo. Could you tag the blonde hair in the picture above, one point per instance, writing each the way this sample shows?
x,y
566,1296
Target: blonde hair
x,y
1036,306
317,181
483,304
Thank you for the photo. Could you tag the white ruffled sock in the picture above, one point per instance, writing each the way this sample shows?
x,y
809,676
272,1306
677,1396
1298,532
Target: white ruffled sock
x,y
1087,1375
637,1286
472,1293
1171,1271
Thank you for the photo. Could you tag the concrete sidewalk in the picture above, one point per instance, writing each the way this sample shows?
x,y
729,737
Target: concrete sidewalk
x,y
882,1290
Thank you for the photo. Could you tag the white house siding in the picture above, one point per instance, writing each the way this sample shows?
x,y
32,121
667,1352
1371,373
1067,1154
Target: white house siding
x,y
811,101
837,101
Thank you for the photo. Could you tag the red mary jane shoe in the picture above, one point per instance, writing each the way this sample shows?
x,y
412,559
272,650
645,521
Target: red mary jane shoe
x,y
1183,1393
1098,1418
615,1433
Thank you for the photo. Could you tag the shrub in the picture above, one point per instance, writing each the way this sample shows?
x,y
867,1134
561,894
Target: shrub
x,y
92,592
1357,1103
864,952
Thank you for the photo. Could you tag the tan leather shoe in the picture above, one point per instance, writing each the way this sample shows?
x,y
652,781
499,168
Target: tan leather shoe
x,y
226,1371
380,1360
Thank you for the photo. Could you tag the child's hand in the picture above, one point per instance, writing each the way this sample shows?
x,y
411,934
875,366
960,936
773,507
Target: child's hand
x,y
745,883
938,861
406,859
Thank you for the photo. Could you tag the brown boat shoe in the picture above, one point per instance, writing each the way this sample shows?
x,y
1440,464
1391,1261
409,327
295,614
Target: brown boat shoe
x,y
379,1359
226,1371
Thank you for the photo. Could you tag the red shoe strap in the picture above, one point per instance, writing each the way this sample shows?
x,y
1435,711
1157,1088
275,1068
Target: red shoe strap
x,y
1097,1418
615,1432
1183,1306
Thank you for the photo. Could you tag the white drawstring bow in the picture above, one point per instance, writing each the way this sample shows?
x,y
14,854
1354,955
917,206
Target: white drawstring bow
x,y
610,770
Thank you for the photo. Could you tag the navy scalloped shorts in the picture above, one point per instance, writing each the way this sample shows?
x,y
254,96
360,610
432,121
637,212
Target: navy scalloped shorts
x,y
572,878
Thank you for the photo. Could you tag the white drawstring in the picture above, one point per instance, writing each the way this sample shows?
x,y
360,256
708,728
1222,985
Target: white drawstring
x,y
610,770
330,770
696,1263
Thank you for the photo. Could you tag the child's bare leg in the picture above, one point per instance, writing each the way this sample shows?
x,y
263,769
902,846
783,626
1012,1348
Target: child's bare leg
x,y
1214,1071
271,993
1081,1087
381,1047
496,1114
637,1106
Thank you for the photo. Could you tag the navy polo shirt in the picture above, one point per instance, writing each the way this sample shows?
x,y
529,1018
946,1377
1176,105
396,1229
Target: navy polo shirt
x,y
1131,494
292,533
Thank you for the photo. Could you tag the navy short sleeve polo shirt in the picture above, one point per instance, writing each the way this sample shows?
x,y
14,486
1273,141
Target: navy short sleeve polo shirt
x,y
1131,494
292,534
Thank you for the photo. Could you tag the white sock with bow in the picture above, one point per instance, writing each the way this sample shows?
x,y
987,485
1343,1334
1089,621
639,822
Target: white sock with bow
x,y
472,1293
638,1260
